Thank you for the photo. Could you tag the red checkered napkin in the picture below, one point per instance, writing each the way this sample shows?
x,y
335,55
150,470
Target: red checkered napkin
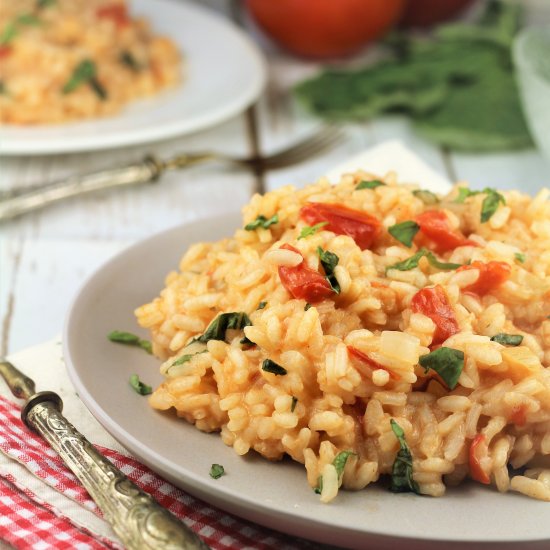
x,y
43,506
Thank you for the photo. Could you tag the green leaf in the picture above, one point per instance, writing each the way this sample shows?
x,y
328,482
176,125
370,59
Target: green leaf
x,y
329,261
262,221
261,305
130,339
447,362
28,19
520,257
139,386
217,471
402,470
464,193
444,266
270,366
427,197
409,263
404,232
311,230
508,339
126,57
490,204
45,3
372,184
319,489
3,90
222,323
293,406
307,306
185,358
85,73
8,34
340,460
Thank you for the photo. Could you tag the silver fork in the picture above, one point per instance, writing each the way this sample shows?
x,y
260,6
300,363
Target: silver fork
x,y
17,202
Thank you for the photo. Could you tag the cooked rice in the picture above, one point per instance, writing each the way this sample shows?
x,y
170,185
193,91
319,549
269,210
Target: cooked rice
x,y
328,402
41,45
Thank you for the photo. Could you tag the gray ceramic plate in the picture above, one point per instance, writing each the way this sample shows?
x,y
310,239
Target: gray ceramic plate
x,y
274,494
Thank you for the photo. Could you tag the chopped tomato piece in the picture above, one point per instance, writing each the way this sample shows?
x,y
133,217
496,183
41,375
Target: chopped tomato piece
x,y
519,415
360,226
491,276
117,12
478,449
303,282
435,227
433,303
5,51
364,358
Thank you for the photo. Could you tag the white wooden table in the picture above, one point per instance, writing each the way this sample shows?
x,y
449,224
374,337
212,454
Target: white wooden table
x,y
45,257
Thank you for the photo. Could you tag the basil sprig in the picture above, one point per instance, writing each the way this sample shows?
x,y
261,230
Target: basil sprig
x,y
427,197
186,358
222,323
261,305
371,184
85,73
262,221
402,470
311,230
490,203
447,362
520,257
11,29
139,386
404,232
274,368
339,464
412,262
121,337
508,339
127,58
329,261
217,471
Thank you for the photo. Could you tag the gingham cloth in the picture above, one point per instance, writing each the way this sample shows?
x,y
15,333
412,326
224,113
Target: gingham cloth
x,y
43,506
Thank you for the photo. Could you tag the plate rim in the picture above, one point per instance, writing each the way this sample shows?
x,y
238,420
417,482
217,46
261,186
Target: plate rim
x,y
98,141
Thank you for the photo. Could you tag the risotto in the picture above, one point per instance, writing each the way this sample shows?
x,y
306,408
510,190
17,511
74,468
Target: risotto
x,y
72,59
370,330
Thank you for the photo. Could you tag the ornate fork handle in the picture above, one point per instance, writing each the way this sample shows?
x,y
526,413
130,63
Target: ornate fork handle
x,y
139,521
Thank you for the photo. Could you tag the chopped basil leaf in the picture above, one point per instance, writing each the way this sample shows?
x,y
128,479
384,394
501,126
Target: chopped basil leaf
x,y
490,204
270,366
464,193
329,261
246,342
404,232
293,406
139,386
319,489
186,358
520,257
402,470
311,230
218,327
28,19
262,221
307,306
427,197
447,362
508,339
372,184
340,460
413,261
217,471
261,305
85,72
8,34
2,88
45,3
445,266
130,339
129,60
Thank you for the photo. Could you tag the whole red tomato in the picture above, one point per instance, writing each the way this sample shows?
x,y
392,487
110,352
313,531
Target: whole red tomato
x,y
325,28
423,13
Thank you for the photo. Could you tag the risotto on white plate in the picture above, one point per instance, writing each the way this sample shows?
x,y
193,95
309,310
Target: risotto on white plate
x,y
62,60
370,330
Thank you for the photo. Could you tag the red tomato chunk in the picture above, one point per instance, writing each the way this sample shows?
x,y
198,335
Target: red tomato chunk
x,y
478,448
491,276
303,282
433,303
117,12
434,225
360,226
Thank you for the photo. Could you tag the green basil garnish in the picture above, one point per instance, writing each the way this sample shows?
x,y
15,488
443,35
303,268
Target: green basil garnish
x,y
85,73
520,257
464,193
129,60
402,470
293,406
217,471
222,323
186,358
139,386
490,204
45,3
307,306
447,362
508,339
404,232
261,305
340,460
329,261
311,230
319,489
11,29
130,339
270,366
412,262
262,221
372,184
427,197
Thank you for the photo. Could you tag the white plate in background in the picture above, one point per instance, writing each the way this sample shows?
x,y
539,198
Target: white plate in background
x,y
224,72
